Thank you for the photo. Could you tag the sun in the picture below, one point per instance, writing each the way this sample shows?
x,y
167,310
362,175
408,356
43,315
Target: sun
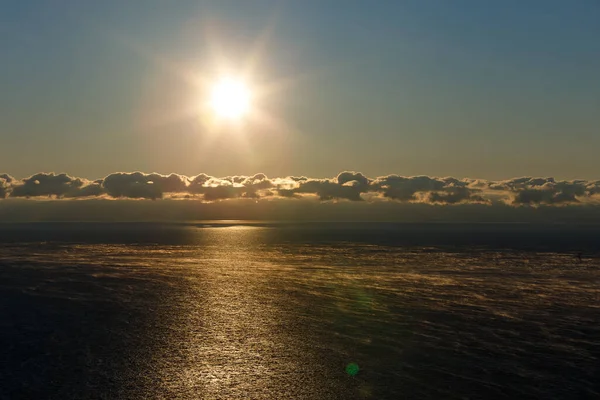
x,y
230,98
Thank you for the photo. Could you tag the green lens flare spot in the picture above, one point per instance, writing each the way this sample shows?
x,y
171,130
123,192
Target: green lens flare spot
x,y
352,369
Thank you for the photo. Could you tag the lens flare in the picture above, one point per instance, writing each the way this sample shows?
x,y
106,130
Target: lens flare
x,y
352,369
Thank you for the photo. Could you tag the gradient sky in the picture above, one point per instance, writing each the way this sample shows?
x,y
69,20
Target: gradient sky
x,y
446,88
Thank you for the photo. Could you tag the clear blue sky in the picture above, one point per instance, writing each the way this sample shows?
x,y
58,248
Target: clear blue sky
x,y
447,88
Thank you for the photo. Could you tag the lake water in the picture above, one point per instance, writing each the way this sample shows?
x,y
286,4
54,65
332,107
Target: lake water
x,y
299,311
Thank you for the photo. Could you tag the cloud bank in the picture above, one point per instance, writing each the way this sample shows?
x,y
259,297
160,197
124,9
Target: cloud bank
x,y
347,186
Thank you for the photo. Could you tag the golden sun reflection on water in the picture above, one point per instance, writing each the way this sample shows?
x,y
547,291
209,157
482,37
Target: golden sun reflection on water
x,y
235,335
253,312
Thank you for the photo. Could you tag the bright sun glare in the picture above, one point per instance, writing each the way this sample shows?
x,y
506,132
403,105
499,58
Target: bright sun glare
x,y
230,98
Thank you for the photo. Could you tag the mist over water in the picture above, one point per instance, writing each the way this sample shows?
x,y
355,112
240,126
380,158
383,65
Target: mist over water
x,y
313,311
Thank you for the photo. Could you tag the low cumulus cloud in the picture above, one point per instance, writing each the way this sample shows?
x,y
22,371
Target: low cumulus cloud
x,y
5,184
347,186
52,185
137,185
547,191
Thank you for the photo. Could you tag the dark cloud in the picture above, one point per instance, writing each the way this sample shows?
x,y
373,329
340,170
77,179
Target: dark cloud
x,y
222,192
454,195
535,191
93,189
136,185
50,184
348,176
298,178
257,182
287,193
329,190
229,187
523,183
544,196
404,188
592,188
5,184
347,186
197,183
436,190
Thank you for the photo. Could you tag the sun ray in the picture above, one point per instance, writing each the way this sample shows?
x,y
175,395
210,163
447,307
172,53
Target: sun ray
x,y
228,99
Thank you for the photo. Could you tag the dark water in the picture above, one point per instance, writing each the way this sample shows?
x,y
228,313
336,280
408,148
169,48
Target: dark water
x,y
225,311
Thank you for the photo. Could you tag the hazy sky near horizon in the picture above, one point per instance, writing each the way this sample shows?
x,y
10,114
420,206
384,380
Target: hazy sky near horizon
x,y
464,88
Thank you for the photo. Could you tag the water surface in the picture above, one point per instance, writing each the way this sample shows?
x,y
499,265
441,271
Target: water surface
x,y
313,311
